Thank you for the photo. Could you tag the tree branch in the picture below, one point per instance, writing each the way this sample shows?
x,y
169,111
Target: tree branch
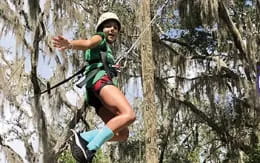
x,y
88,10
220,130
223,12
11,155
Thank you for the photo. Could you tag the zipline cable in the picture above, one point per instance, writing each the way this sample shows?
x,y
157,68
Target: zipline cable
x,y
125,55
119,59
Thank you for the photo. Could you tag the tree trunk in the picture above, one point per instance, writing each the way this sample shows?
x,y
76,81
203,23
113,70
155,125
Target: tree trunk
x,y
149,110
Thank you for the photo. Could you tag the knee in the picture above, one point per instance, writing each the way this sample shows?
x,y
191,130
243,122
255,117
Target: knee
x,y
131,117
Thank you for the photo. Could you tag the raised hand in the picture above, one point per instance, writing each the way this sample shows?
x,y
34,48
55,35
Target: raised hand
x,y
61,43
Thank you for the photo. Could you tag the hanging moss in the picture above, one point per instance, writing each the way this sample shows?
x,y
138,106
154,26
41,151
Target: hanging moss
x,y
198,13
34,9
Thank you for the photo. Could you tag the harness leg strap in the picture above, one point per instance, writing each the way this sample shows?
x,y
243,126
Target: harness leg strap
x,y
87,78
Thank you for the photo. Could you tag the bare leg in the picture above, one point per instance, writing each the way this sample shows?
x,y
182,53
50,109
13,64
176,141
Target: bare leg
x,y
115,101
107,115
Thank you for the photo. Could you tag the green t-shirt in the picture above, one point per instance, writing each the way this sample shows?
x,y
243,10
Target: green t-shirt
x,y
93,57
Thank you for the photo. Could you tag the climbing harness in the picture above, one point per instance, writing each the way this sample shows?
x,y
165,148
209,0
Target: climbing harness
x,y
113,69
111,72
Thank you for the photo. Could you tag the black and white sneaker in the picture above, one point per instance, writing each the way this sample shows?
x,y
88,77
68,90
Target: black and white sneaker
x,y
90,155
78,147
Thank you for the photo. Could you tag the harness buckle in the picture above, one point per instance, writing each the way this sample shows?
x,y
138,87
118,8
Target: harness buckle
x,y
117,67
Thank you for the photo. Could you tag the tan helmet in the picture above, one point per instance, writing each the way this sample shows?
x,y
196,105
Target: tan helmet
x,y
107,16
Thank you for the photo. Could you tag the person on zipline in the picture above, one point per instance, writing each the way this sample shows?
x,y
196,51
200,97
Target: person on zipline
x,y
101,91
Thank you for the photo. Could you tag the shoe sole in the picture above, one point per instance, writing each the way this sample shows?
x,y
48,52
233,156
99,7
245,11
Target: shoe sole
x,y
76,151
78,143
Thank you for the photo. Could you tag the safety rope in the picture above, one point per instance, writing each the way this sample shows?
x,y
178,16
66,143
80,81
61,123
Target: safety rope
x,y
125,55
49,88
118,60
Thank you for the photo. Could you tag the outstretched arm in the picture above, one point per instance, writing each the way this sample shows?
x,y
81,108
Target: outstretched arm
x,y
62,43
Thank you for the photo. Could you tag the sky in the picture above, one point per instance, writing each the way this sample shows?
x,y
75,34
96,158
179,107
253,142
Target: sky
x,y
46,67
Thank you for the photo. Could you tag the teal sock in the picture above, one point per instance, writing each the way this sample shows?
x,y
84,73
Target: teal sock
x,y
89,135
104,135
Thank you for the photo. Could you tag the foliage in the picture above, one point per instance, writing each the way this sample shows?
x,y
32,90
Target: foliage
x,y
205,54
193,156
101,157
66,157
254,156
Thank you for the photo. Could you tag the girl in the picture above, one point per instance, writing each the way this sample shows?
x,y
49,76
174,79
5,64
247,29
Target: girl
x,y
110,103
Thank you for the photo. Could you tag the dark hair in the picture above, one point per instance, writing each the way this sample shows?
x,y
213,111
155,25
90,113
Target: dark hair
x,y
101,26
